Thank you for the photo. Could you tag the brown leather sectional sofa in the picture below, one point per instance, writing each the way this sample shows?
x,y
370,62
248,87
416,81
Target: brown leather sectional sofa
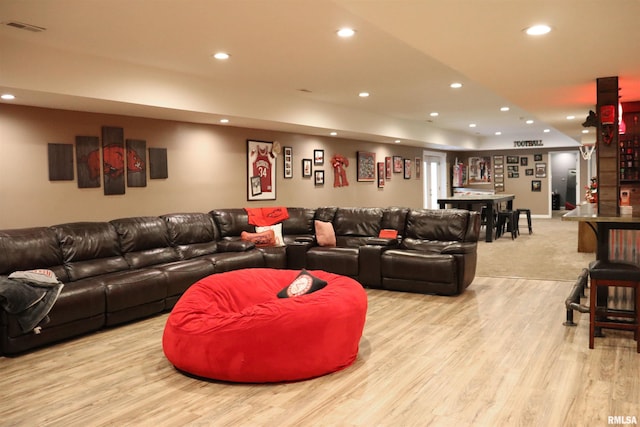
x,y
125,269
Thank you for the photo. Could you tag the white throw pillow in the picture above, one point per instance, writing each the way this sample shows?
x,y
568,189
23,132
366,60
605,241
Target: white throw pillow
x,y
277,230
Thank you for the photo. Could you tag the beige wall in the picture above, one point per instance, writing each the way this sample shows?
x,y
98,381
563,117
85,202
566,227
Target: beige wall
x,y
207,169
538,202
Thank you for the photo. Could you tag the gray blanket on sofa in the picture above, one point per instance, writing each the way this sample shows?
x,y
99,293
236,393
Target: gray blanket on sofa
x,y
29,301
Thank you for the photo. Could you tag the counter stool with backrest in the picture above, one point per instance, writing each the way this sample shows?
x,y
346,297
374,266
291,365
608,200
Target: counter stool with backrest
x,y
604,274
528,212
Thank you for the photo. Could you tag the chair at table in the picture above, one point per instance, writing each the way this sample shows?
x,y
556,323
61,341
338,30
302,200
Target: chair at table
x,y
507,221
528,213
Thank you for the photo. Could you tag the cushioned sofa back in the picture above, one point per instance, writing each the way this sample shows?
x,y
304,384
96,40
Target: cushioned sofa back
x,y
395,218
144,241
89,249
232,222
357,221
31,248
192,234
325,213
300,221
443,225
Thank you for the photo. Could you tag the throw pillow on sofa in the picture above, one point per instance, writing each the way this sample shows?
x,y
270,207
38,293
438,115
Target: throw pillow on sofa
x,y
325,234
304,283
277,230
261,240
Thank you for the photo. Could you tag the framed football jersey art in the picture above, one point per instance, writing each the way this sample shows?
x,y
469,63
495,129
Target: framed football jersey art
x,y
261,170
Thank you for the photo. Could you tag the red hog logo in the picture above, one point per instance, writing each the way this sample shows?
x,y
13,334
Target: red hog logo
x,y
113,160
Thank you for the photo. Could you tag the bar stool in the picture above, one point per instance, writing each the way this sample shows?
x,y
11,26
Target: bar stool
x,y
507,221
528,212
603,275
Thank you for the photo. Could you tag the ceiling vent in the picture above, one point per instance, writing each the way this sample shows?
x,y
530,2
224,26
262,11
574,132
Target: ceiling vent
x,y
23,26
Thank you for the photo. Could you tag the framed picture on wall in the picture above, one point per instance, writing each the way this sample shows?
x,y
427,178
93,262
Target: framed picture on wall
x,y
513,159
319,177
498,187
366,166
261,165
306,168
288,162
537,157
381,174
318,157
524,161
528,172
498,160
397,164
536,185
480,170
541,170
407,168
418,162
387,168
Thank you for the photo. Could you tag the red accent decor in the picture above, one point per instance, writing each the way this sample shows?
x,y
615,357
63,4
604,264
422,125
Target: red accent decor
x,y
261,217
232,327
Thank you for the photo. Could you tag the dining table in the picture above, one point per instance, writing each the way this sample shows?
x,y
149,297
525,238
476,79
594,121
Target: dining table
x,y
489,201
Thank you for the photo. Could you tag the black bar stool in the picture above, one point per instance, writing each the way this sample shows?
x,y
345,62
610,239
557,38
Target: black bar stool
x,y
605,274
528,212
507,221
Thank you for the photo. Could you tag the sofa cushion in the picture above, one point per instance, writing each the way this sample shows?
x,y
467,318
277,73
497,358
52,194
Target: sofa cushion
x,y
144,241
277,232
304,283
325,234
443,225
262,239
232,222
29,248
300,222
90,249
192,234
358,221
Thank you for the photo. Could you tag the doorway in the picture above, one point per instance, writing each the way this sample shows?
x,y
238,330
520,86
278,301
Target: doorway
x,y
433,177
565,176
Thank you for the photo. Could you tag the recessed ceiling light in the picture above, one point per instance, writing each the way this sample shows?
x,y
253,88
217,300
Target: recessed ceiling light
x,y
333,133
224,120
363,94
7,96
571,117
538,30
498,133
455,85
472,125
585,130
529,122
397,141
434,114
504,108
221,55
546,131
346,32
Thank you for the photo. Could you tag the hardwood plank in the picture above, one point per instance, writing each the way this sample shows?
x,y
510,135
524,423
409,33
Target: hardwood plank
x,y
496,355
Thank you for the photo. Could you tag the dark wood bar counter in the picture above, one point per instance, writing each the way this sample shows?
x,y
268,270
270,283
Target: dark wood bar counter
x,y
603,226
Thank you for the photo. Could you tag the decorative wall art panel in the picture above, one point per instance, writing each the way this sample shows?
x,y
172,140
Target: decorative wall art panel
x,y
60,162
113,160
88,161
158,167
136,163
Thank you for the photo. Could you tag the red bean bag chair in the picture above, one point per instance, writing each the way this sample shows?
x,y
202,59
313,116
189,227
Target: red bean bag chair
x,y
233,327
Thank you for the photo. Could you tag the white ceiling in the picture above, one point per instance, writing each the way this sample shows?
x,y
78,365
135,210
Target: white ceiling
x,y
289,71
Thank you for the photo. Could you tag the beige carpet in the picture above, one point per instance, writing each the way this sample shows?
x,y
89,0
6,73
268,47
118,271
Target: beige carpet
x,y
551,252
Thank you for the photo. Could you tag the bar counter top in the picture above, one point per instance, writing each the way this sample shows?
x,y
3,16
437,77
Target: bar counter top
x,y
588,212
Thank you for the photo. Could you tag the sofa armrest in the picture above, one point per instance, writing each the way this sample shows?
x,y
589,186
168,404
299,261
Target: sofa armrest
x,y
380,241
460,248
297,254
304,239
235,245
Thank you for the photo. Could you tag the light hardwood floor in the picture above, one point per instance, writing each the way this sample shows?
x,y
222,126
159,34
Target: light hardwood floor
x,y
498,355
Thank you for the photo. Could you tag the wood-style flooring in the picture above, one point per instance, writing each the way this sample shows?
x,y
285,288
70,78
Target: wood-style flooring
x,y
498,355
